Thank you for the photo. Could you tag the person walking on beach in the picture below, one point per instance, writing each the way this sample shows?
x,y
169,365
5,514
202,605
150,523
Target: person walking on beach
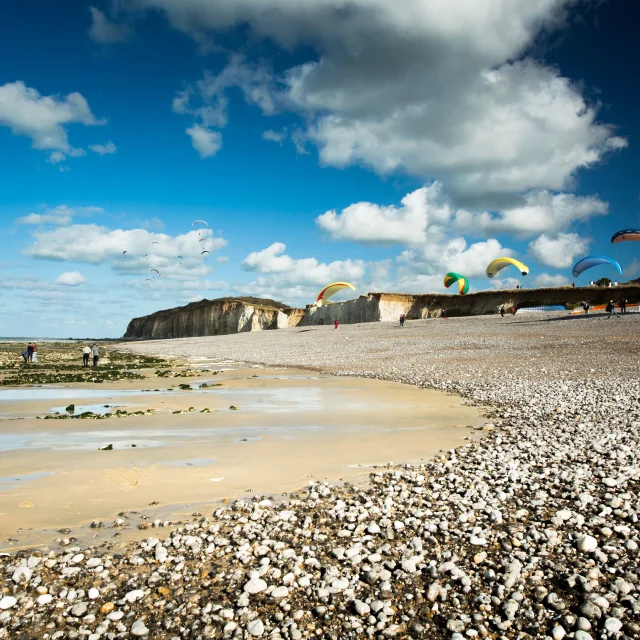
x,y
96,353
335,324
502,310
30,352
402,319
86,352
623,305
611,310
34,355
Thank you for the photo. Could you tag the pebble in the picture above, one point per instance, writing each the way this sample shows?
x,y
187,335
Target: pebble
x,y
255,627
587,543
139,629
7,602
255,585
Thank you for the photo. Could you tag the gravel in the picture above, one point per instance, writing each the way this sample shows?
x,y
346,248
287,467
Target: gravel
x,y
531,532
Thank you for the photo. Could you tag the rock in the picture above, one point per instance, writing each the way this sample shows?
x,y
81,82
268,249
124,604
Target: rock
x,y
612,625
279,592
7,602
255,585
139,629
255,627
582,635
78,610
457,626
587,543
558,632
134,595
361,608
44,599
93,593
590,610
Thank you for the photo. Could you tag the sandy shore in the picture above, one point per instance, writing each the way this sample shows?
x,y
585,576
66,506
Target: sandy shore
x,y
288,427
531,532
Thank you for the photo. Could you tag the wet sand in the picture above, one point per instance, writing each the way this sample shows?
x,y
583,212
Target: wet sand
x,y
290,426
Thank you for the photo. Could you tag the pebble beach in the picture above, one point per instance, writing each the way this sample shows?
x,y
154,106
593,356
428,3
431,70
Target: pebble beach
x,y
531,531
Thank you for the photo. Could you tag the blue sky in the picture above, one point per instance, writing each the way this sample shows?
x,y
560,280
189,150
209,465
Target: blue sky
x,y
380,143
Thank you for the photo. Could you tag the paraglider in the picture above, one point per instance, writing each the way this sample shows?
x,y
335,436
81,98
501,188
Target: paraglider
x,y
156,271
500,263
180,258
202,240
205,251
625,235
124,253
193,224
330,290
594,261
155,243
463,283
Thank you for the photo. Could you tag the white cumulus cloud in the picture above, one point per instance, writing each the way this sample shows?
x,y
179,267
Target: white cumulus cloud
x,y
559,251
284,277
103,31
128,251
442,90
539,212
206,142
369,222
550,280
60,215
103,149
71,279
44,118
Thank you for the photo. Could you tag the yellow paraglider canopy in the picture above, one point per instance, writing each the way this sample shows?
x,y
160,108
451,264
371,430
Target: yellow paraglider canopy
x,y
330,290
500,263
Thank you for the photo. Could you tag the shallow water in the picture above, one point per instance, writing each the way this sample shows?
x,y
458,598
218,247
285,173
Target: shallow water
x,y
289,427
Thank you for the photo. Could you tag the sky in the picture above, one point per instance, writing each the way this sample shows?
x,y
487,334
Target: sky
x,y
374,142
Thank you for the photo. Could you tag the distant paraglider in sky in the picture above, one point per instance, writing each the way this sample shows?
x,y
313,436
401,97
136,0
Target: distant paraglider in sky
x,y
330,290
463,283
625,235
124,253
205,251
155,243
594,261
156,271
501,263
195,222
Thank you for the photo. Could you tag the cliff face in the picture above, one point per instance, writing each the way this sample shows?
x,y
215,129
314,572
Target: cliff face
x,y
385,307
228,315
212,318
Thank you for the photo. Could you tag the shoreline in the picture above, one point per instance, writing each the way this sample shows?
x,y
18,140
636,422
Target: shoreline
x,y
531,532
290,425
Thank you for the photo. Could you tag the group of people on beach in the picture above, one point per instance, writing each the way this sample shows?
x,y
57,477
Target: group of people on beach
x,y
30,354
610,308
512,311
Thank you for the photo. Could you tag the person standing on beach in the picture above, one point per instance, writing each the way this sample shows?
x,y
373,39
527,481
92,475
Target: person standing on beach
x,y
402,317
502,310
86,352
34,357
30,352
96,354
335,324
623,305
611,310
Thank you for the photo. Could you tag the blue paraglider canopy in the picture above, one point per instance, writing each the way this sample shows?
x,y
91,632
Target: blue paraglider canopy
x,y
594,261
